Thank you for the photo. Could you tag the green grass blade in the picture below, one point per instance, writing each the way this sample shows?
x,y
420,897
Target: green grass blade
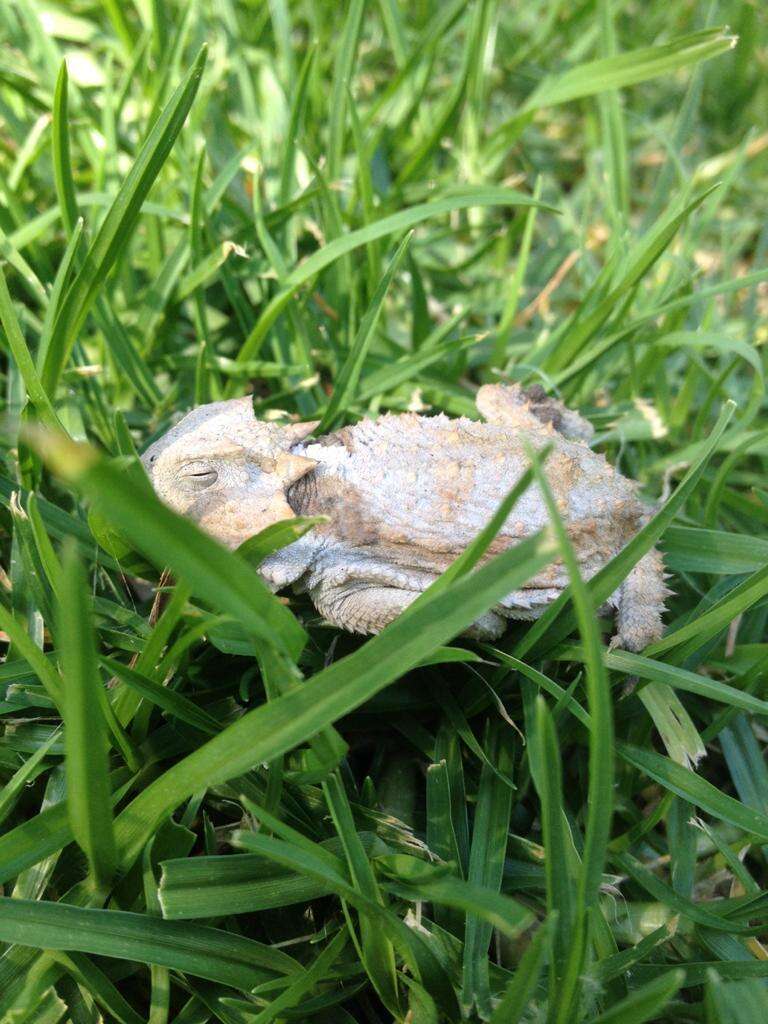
x,y
619,963
222,884
519,991
574,337
495,909
58,291
62,166
512,300
277,536
613,127
116,229
98,985
305,861
629,68
197,949
395,223
313,975
272,730
683,679
26,772
561,886
287,169
342,78
38,395
666,895
694,634
89,800
645,1003
24,645
600,798
698,791
349,375
163,697
44,835
375,948
33,840
486,865
690,549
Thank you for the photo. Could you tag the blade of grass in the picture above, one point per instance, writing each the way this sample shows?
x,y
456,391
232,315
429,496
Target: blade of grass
x,y
601,737
209,886
342,77
508,916
310,859
717,618
98,985
572,339
691,549
375,948
313,975
117,227
347,378
25,773
45,834
507,321
561,887
275,728
298,106
23,360
645,1003
393,224
89,801
62,166
196,949
24,645
163,697
628,68
613,127
598,700
519,991
486,867
60,285
698,791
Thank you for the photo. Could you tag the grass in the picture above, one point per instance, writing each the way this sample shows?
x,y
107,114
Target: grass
x,y
349,209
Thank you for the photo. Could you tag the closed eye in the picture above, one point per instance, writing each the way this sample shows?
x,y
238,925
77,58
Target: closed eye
x,y
199,478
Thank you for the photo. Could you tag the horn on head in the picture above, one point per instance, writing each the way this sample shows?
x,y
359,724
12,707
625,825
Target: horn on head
x,y
291,468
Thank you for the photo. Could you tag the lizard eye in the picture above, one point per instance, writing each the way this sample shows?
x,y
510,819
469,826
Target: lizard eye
x,y
199,477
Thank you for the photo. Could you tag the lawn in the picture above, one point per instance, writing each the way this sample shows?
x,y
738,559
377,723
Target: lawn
x,y
213,805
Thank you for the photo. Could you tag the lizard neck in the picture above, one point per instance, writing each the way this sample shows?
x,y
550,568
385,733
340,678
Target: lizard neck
x,y
307,496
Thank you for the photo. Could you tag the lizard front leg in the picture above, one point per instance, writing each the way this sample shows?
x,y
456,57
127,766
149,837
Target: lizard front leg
x,y
360,606
367,607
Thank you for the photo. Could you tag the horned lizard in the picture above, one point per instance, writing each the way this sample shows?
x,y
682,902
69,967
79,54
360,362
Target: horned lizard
x,y
404,495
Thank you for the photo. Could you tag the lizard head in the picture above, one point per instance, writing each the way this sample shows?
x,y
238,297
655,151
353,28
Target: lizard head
x,y
226,470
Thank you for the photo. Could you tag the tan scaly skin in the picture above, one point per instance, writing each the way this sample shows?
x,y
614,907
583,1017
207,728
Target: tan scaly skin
x,y
404,496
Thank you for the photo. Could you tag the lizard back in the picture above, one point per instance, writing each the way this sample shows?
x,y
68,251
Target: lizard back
x,y
421,488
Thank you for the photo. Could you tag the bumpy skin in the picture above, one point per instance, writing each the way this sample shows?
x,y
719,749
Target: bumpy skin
x,y
404,496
